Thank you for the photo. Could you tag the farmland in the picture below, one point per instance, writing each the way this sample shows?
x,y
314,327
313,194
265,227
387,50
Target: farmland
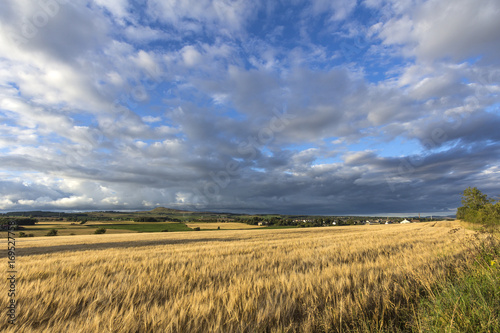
x,y
161,219
65,228
284,280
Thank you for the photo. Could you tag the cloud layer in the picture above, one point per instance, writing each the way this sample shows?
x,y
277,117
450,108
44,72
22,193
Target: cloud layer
x,y
311,107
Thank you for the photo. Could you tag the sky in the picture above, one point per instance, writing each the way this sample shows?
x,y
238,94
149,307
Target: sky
x,y
365,107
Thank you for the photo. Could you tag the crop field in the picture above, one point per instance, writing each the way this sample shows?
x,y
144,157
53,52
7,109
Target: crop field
x,y
65,228
69,228
222,226
328,279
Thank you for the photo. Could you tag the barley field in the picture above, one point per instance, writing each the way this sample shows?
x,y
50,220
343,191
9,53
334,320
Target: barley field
x,y
332,279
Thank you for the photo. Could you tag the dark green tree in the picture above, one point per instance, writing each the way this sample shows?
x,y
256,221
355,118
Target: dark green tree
x,y
474,199
478,208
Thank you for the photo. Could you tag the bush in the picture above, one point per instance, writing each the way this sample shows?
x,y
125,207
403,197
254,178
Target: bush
x,y
164,230
197,229
100,231
52,232
22,234
31,235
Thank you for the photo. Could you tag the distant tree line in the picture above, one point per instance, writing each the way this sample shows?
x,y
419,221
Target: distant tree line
x,y
19,220
478,208
35,213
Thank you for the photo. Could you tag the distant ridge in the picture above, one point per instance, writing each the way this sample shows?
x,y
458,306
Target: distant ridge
x,y
164,210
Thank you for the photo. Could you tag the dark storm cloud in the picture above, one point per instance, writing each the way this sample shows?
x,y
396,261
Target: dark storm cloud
x,y
110,106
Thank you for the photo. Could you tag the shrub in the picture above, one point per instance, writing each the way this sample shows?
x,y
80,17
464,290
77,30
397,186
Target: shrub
x,y
31,235
22,234
164,230
52,232
197,229
100,231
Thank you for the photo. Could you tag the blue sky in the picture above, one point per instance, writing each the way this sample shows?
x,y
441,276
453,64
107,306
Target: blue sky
x,y
295,107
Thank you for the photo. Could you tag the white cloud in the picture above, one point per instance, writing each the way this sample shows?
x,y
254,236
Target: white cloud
x,y
458,29
73,201
191,56
6,203
213,15
116,201
118,8
439,29
12,135
151,119
338,9
144,35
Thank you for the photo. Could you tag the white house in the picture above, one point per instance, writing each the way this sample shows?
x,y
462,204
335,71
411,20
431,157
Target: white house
x,y
405,221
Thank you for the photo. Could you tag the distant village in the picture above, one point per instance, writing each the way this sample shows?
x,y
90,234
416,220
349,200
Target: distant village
x,y
318,221
337,221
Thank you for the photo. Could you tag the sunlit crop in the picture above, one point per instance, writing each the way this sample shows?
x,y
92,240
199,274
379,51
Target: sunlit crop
x,y
316,279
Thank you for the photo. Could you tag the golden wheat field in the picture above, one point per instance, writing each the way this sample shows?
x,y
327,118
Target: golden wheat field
x,y
288,280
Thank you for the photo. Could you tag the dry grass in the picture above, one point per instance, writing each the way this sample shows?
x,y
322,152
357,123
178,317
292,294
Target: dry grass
x,y
303,280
